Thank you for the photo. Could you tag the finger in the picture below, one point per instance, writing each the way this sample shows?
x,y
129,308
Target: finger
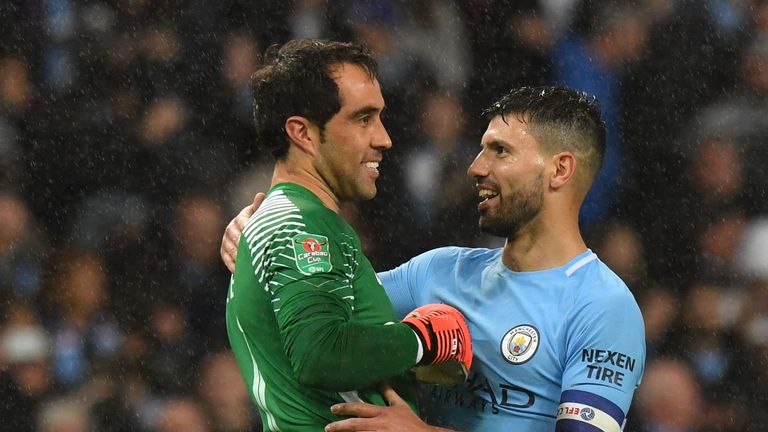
x,y
348,425
233,232
356,409
257,200
391,395
240,221
223,250
228,262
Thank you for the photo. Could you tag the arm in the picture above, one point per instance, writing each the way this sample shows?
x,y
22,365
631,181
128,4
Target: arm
x,y
328,350
407,284
317,330
328,344
604,363
316,344
396,417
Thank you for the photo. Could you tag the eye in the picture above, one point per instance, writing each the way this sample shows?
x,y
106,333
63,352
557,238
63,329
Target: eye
x,y
366,120
499,149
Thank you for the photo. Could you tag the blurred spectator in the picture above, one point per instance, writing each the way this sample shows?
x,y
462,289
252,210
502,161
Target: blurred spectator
x,y
699,222
171,352
718,244
121,397
513,42
117,225
241,57
661,311
60,20
753,249
182,414
375,24
16,88
678,73
741,118
175,159
224,395
434,32
308,20
18,95
753,322
620,247
85,335
232,113
593,60
435,189
25,370
257,177
64,415
20,248
196,267
658,408
752,327
718,356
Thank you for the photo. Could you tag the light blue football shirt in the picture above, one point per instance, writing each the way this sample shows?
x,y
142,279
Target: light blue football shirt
x,y
557,349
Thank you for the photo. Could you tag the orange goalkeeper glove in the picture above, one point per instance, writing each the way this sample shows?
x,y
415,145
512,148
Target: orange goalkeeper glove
x,y
443,334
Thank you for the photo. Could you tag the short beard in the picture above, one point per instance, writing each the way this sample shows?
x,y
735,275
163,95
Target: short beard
x,y
515,211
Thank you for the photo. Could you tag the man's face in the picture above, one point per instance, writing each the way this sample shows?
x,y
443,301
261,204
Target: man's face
x,y
354,138
509,177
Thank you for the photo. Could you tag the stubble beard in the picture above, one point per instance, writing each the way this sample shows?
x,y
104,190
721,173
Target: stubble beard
x,y
349,187
515,211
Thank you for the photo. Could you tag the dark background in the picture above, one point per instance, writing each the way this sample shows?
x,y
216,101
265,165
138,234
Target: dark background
x,y
126,146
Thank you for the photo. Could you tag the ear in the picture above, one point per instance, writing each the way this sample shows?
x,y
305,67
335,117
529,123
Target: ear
x,y
565,167
302,133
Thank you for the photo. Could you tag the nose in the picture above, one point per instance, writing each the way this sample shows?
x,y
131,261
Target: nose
x,y
381,139
479,166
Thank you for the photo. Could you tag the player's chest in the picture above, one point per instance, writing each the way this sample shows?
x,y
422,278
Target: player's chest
x,y
518,337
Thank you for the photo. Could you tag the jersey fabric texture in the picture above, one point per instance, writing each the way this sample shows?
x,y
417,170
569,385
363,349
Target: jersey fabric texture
x,y
554,349
307,318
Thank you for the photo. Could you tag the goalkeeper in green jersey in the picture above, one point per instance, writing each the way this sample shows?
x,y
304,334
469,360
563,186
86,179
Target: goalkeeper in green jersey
x,y
307,318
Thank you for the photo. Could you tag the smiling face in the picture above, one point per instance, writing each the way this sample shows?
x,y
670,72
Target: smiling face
x,y
509,177
354,138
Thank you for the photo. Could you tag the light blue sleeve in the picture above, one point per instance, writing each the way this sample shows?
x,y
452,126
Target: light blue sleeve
x,y
404,284
605,359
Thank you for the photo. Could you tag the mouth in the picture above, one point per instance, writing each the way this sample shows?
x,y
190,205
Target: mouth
x,y
372,166
487,195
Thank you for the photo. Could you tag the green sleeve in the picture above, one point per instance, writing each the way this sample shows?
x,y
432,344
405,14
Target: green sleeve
x,y
329,350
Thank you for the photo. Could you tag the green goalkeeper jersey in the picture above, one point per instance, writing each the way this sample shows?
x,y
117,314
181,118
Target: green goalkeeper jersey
x,y
307,317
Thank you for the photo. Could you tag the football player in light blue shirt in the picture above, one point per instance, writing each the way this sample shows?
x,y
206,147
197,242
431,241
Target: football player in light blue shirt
x,y
558,338
563,344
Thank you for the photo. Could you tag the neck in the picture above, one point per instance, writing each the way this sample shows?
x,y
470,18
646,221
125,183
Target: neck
x,y
544,243
286,172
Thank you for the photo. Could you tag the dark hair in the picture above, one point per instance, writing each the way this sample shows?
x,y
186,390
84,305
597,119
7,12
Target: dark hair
x,y
296,80
560,119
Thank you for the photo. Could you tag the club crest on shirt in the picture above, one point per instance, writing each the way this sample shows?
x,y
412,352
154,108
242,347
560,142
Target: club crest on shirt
x,y
520,344
312,253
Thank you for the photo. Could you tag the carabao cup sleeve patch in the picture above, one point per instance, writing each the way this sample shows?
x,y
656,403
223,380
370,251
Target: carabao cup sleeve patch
x,y
312,253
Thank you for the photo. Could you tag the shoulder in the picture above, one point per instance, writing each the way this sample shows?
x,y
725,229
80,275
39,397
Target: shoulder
x,y
277,211
457,256
600,289
597,278
296,207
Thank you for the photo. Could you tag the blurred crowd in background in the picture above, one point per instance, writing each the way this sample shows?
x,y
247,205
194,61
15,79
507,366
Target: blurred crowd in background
x,y
126,145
